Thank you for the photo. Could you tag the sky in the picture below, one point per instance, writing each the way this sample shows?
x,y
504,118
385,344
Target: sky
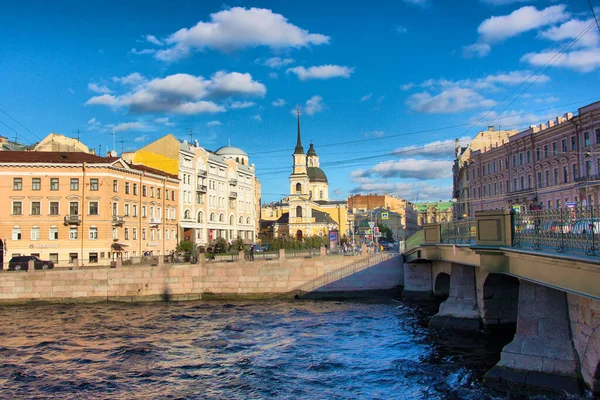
x,y
384,87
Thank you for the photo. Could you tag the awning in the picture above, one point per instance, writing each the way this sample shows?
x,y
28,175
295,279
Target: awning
x,y
119,246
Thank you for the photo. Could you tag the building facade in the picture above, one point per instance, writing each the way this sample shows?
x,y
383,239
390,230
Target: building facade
x,y
78,208
543,167
435,212
404,208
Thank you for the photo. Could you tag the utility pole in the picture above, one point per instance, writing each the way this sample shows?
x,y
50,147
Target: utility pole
x,y
121,141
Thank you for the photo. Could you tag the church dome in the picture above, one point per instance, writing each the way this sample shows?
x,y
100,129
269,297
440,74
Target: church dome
x,y
230,151
311,151
316,174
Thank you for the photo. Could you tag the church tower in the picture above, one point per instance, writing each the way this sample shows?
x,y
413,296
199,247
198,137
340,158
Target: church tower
x,y
299,177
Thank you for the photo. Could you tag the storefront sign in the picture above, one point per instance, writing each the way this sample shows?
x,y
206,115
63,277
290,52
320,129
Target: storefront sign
x,y
44,246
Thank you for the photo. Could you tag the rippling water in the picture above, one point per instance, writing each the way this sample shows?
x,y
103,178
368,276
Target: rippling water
x,y
242,350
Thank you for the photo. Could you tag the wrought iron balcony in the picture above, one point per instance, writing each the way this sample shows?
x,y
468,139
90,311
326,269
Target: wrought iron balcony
x,y
202,172
588,178
233,182
201,188
233,195
118,220
72,219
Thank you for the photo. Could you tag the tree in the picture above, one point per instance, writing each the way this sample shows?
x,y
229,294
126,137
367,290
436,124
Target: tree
x,y
385,232
220,245
186,245
237,245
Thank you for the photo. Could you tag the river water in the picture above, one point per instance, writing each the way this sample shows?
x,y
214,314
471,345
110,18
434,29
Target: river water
x,y
378,349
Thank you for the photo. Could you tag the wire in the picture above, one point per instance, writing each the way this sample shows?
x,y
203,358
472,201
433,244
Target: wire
x,y
594,15
20,124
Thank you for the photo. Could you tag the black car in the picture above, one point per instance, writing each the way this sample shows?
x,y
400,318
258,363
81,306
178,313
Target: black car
x,y
21,263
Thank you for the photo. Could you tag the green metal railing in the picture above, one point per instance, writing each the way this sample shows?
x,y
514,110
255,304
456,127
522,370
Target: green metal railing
x,y
415,240
461,231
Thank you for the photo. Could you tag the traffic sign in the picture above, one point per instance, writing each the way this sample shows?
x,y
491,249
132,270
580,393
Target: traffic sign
x,y
371,224
384,215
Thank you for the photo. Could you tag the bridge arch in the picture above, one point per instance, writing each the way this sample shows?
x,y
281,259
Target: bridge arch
x,y
500,300
441,286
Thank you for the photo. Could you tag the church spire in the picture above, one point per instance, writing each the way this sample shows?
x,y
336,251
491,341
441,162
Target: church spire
x,y
299,149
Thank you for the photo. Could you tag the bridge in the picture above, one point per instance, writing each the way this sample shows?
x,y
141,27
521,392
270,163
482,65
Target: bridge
x,y
537,271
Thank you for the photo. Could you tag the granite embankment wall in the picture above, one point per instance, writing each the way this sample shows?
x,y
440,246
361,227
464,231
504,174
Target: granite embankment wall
x,y
187,282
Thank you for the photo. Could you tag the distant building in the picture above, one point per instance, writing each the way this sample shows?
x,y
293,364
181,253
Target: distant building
x,y
434,212
7,145
404,208
360,219
307,211
543,167
57,142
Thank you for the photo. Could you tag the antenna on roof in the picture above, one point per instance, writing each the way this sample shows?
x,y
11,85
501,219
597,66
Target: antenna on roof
x,y
191,136
229,142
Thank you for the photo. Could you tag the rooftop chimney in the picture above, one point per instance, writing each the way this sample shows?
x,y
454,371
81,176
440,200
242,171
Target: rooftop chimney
x,y
550,124
568,116
491,128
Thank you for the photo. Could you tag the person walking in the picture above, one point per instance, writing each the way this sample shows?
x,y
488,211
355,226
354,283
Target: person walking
x,y
252,252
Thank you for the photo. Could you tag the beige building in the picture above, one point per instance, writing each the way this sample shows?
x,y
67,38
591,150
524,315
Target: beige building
x,y
404,208
57,142
77,208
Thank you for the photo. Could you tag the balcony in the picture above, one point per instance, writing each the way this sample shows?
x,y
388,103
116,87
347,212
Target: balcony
x,y
202,173
118,220
154,221
233,195
233,182
72,219
588,178
201,188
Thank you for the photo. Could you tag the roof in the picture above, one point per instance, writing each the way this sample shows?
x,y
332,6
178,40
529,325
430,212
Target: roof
x,y
439,205
62,157
154,171
230,151
316,174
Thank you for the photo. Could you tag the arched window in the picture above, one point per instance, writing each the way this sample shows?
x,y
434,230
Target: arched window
x,y
241,220
237,159
298,211
231,220
200,216
212,216
221,218
320,194
298,188
243,161
186,214
248,220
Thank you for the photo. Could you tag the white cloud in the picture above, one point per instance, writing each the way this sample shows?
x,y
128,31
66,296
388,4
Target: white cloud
x,y
127,126
164,121
133,79
411,168
503,2
257,117
422,190
476,50
242,104
401,29
572,29
276,62
94,87
142,138
452,100
152,39
214,123
376,134
512,119
498,28
181,93
94,122
584,60
142,51
322,72
407,86
549,99
237,28
436,149
279,103
366,97
314,105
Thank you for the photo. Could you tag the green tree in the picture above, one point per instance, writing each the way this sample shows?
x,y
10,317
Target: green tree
x,y
386,232
220,245
237,245
186,245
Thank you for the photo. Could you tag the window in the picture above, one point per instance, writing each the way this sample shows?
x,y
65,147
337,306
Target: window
x,y
539,180
135,189
514,160
597,136
17,208
298,188
221,218
522,182
588,169
556,182
134,210
489,168
143,211
299,209
54,258
126,187
144,190
115,234
126,233
54,209
94,184
115,210
586,139
73,233
575,176
17,183
53,183
212,217
16,233
74,184
528,156
152,212
546,154
520,158
538,154
557,203
172,195
564,146
494,166
134,233
529,184
35,233
554,149
573,142
158,192
495,188
36,208
93,208
151,192
200,217
73,257
549,204
115,186
547,178
36,184
93,257
126,210
500,167
565,174
143,233
73,208
167,234
53,233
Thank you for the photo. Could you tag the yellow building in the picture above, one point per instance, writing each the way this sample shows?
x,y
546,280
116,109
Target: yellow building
x,y
57,142
78,208
307,211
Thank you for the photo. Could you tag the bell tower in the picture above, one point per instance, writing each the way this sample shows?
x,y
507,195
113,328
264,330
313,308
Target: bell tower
x,y
299,177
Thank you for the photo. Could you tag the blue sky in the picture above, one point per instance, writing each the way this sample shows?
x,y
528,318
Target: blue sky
x,y
385,87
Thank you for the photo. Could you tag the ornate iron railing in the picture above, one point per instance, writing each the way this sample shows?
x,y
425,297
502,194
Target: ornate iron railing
x,y
564,230
461,231
417,239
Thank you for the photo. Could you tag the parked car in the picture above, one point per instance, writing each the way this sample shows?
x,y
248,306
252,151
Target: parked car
x,y
21,263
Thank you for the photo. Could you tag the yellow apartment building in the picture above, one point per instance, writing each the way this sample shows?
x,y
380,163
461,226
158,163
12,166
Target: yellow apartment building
x,y
75,208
